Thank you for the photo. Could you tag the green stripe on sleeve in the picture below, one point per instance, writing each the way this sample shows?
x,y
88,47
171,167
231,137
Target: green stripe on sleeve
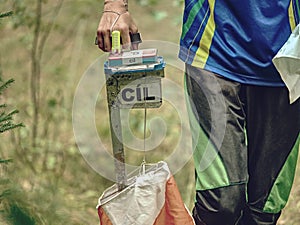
x,y
192,14
298,7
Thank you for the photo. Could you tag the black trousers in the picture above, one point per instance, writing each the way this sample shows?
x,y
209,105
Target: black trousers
x,y
245,149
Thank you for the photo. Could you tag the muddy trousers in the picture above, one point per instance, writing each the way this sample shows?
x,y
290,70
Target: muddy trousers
x,y
246,142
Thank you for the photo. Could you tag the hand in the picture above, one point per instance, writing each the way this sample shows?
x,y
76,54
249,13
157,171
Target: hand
x,y
115,17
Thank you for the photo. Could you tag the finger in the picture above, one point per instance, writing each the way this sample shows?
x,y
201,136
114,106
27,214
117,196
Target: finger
x,y
135,46
126,43
133,28
100,43
107,42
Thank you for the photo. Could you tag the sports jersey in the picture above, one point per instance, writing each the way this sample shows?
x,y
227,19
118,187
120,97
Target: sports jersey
x,y
237,39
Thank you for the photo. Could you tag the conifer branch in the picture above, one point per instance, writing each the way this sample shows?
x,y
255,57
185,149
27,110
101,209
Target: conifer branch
x,y
6,14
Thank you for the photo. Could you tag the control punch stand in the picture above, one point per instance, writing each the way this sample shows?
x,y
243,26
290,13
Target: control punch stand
x,y
133,81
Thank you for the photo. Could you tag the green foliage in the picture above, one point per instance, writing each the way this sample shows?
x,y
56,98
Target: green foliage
x,y
6,14
47,169
14,207
158,14
14,210
19,216
5,161
6,119
4,85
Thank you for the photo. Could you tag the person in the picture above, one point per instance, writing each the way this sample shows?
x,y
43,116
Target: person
x,y
239,102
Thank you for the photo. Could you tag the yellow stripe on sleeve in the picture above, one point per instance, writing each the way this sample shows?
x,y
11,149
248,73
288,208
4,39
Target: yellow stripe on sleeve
x,y
292,16
206,40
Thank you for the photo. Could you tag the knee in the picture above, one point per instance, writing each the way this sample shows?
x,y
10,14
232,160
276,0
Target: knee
x,y
221,204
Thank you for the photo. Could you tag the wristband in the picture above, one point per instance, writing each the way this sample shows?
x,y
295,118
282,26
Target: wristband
x,y
115,12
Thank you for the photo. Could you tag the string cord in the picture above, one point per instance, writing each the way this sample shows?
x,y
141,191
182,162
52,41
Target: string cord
x,y
117,18
145,130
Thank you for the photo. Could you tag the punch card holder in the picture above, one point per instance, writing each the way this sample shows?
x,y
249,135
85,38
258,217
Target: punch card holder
x,y
133,80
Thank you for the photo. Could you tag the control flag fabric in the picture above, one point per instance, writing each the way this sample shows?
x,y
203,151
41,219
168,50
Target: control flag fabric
x,y
152,199
287,62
